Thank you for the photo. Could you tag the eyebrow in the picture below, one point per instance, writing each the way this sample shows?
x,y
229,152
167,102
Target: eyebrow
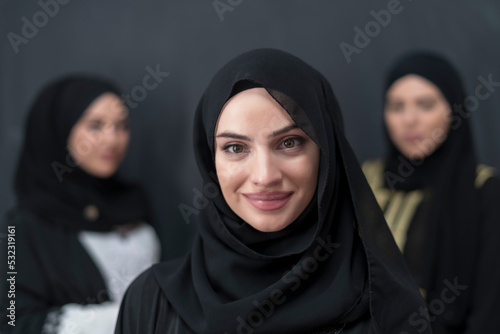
x,y
426,99
242,137
233,135
283,130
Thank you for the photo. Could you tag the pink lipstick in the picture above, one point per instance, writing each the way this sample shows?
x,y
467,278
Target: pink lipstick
x,y
269,201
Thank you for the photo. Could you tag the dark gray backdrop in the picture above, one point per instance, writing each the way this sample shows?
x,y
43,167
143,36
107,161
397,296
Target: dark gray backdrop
x,y
191,40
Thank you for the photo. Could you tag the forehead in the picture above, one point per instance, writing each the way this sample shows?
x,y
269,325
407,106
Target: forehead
x,y
250,109
107,105
412,85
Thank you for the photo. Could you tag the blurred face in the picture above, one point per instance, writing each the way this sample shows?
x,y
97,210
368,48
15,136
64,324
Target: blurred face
x,y
267,167
417,116
99,140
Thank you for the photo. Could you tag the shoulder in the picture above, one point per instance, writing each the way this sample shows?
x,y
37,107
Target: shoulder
x,y
488,185
143,287
375,165
20,217
488,189
25,225
486,176
145,309
139,305
145,290
31,229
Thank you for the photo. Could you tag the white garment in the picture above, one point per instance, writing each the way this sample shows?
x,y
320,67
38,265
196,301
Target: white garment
x,y
120,259
88,319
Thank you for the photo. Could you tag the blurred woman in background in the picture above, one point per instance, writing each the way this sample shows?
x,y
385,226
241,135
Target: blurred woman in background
x,y
81,233
442,207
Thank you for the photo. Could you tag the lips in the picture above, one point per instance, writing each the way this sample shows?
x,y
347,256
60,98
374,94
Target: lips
x,y
412,138
268,201
109,156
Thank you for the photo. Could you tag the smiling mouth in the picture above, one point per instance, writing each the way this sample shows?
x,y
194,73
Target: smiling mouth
x,y
269,201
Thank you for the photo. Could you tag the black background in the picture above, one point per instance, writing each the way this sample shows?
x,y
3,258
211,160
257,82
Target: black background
x,y
191,41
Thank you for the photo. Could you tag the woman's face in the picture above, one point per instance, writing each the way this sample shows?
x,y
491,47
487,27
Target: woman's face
x,y
99,140
417,116
267,167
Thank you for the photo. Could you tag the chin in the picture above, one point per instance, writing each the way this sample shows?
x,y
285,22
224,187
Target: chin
x,y
103,173
414,155
268,225
99,169
410,152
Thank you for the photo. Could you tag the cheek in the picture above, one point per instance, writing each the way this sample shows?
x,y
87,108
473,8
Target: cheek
x,y
231,171
444,121
230,175
438,124
391,122
441,130
231,178
304,173
79,144
124,140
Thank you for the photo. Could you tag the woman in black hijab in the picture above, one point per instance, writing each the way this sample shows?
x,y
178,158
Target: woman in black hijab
x,y
80,233
272,256
441,206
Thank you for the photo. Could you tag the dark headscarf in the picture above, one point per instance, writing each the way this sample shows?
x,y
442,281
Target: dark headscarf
x,y
445,239
49,184
351,267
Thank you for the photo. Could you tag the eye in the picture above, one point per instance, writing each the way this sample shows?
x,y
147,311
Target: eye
x,y
394,107
235,148
427,105
93,126
289,143
123,126
292,143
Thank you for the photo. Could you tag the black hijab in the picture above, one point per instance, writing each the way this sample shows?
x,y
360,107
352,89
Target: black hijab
x,y
444,244
351,267
49,184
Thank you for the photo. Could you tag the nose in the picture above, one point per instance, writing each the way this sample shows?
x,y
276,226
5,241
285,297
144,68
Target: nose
x,y
410,116
265,169
110,135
